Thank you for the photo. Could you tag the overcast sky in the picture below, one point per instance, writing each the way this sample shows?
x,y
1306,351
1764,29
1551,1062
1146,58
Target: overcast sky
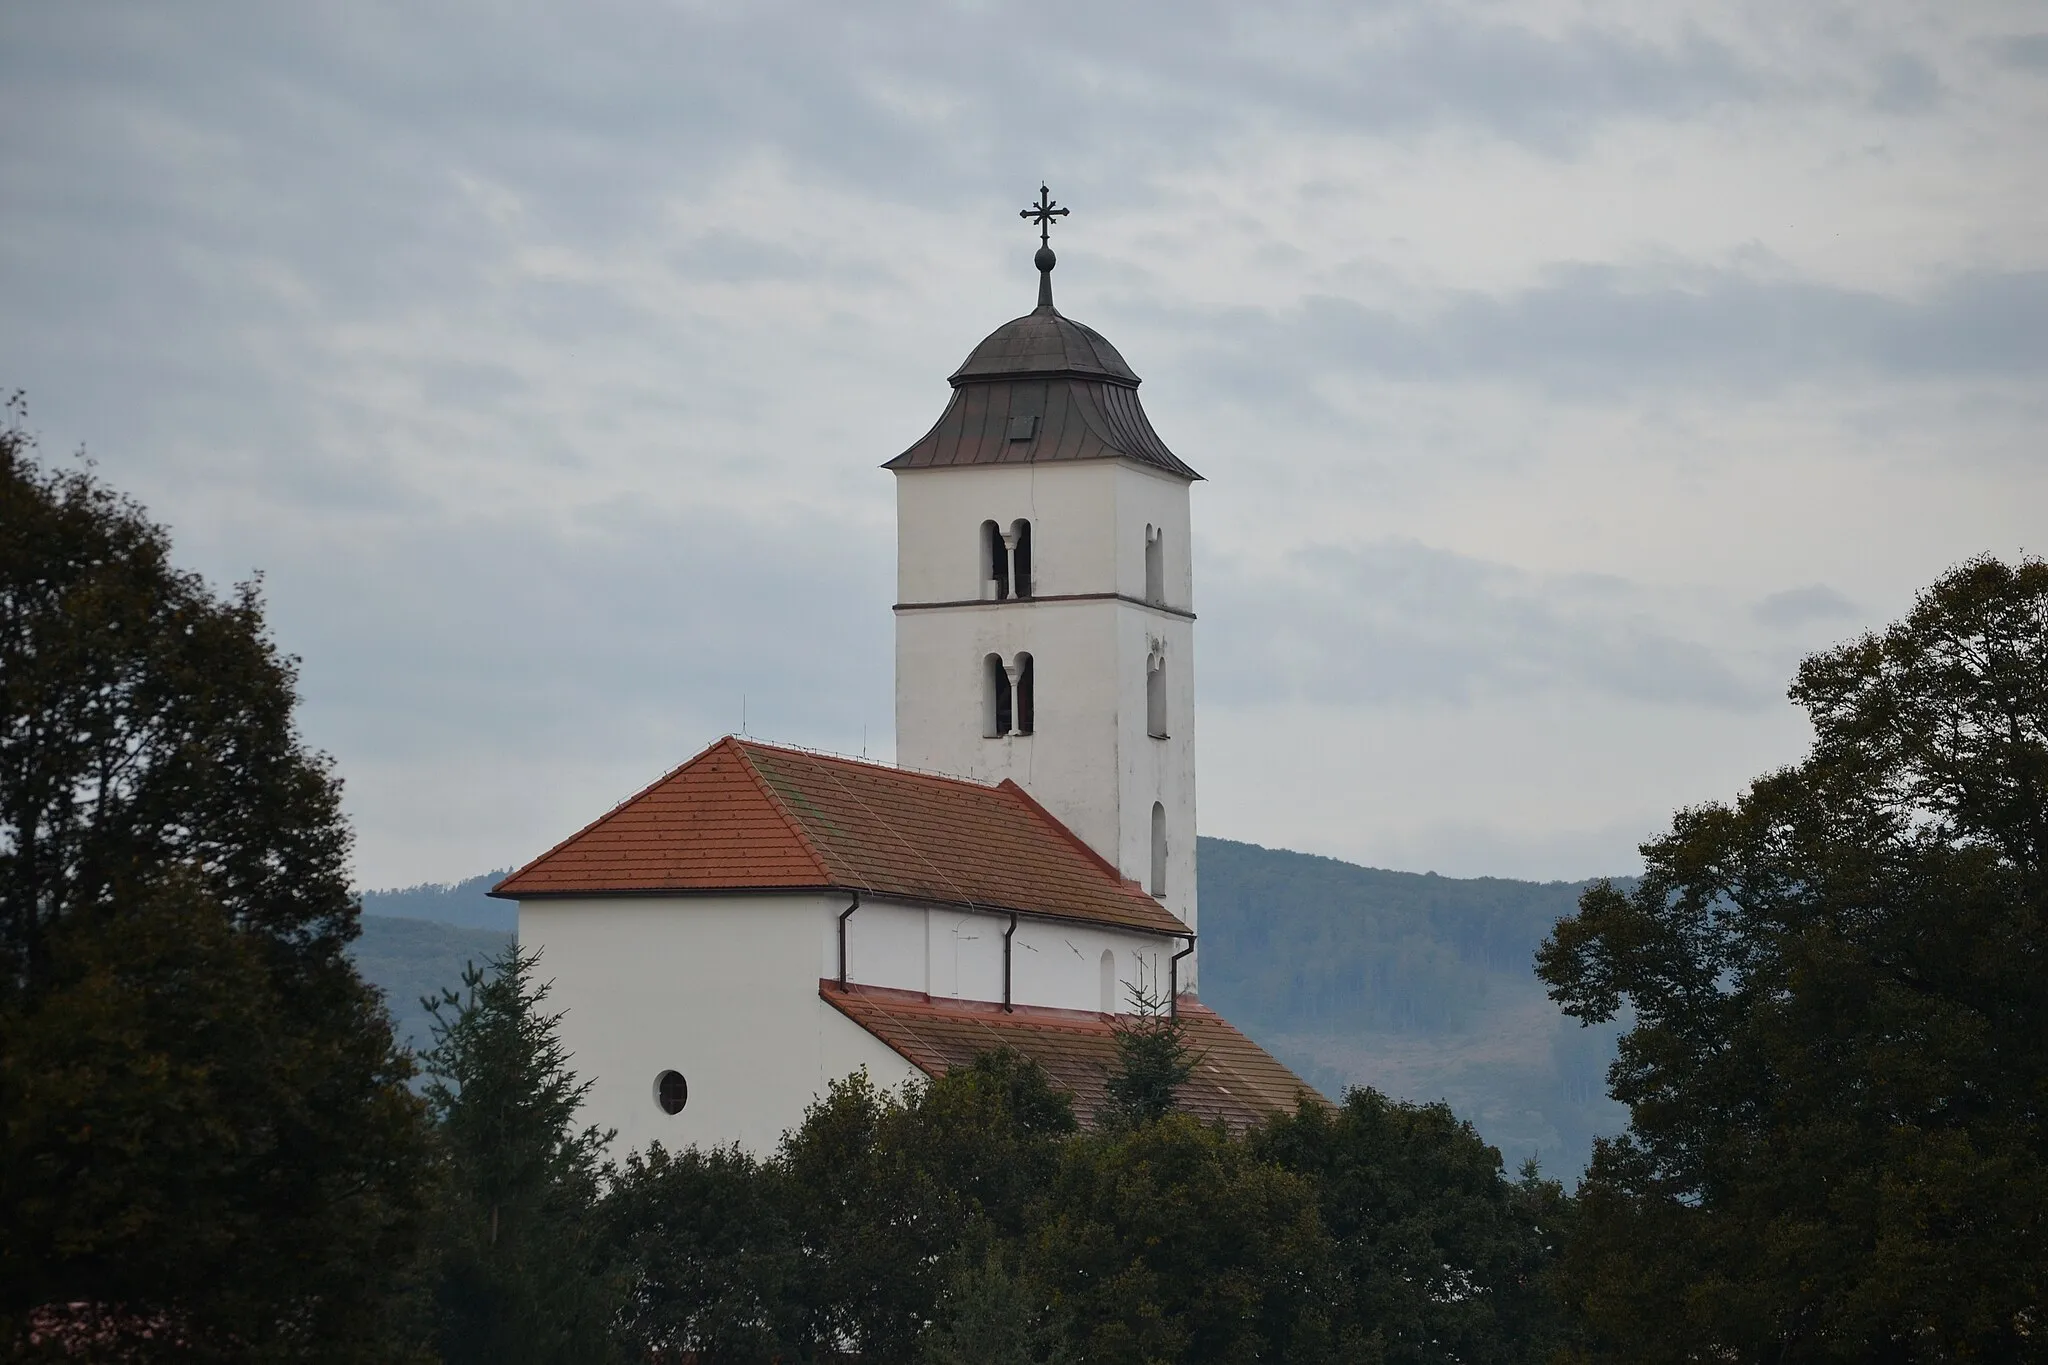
x,y
1561,371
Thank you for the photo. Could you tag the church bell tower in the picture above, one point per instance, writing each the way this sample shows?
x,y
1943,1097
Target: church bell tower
x,y
1045,596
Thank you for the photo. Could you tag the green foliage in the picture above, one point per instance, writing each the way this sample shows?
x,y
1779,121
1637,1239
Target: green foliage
x,y
1839,1054
970,1219
525,1274
1438,1256
992,1315
896,1192
207,1133
1172,1241
1153,1061
710,1241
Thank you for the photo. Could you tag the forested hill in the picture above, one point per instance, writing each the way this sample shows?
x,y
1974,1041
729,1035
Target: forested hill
x,y
1415,984
1418,985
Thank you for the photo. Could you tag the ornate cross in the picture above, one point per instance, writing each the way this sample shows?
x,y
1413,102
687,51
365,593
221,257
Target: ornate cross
x,y
1043,212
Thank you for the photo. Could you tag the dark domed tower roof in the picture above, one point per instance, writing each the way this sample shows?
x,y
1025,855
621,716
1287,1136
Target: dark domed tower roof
x,y
1040,388
1045,342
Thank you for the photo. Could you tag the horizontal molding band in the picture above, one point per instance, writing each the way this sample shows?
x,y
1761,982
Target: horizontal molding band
x,y
1055,597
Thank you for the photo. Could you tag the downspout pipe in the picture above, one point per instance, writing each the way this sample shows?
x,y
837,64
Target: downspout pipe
x,y
1007,934
844,915
1173,980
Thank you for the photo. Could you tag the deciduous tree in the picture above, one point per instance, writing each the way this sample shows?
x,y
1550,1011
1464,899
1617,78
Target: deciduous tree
x,y
1838,986
206,1127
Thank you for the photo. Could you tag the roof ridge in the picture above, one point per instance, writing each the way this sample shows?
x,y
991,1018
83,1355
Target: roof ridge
x,y
540,858
775,801
906,769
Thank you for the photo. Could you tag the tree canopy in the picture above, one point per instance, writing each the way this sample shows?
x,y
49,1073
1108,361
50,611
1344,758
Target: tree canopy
x,y
207,1134
1838,996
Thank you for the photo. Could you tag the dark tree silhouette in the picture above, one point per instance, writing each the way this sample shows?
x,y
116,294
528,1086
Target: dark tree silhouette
x,y
1838,1059
207,1132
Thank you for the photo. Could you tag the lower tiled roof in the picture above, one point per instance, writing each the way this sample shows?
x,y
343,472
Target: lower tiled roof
x,y
1236,1080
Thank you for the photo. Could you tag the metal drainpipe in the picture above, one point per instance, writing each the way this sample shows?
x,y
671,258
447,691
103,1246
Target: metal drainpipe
x,y
1007,1008
842,938
1173,980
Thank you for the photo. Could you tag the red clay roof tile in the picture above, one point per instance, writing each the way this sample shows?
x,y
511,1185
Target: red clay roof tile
x,y
1236,1081
749,816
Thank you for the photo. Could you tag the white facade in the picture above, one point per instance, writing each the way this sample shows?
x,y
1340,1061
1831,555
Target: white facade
x,y
724,989
1108,742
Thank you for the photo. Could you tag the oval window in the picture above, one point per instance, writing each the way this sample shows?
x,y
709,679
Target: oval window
x,y
671,1092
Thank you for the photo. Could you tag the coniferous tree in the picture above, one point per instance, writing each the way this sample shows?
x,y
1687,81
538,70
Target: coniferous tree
x,y
207,1135
1153,1060
1838,1064
525,1275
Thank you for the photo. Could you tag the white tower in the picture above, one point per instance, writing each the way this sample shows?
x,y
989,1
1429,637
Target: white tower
x,y
1045,597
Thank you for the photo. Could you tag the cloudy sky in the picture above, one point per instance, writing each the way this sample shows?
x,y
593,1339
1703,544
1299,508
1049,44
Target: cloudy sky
x,y
1562,371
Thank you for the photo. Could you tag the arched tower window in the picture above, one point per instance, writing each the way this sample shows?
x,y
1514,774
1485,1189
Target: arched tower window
x,y
1158,884
1155,565
995,697
1155,695
995,563
1109,1000
1026,701
1020,558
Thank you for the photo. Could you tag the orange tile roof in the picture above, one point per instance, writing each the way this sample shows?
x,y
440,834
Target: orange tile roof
x,y
1236,1080
749,816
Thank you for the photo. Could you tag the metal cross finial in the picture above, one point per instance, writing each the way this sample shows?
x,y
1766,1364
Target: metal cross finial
x,y
1043,212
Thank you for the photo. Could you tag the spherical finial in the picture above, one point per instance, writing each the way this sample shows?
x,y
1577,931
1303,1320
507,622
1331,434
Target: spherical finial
x,y
1045,260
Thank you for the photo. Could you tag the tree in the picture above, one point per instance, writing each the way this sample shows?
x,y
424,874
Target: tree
x,y
1838,1060
525,1276
1440,1256
992,1315
1172,1240
709,1240
1153,1061
207,1134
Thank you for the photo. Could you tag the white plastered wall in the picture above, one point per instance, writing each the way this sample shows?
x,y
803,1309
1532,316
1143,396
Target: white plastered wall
x,y
1091,759
723,989
949,953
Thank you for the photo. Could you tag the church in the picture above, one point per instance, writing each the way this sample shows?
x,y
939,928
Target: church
x,y
764,920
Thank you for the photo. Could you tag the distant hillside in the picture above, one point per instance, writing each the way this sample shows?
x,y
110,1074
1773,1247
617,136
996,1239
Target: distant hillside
x,y
452,903
1417,985
411,958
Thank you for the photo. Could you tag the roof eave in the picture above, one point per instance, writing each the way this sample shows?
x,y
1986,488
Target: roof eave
x,y
1175,929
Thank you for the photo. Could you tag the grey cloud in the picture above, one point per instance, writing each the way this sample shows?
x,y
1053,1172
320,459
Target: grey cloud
x,y
1402,623
1799,606
435,639
1906,84
2027,51
1598,330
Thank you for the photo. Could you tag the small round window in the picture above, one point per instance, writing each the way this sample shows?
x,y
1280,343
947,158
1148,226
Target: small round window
x,y
671,1092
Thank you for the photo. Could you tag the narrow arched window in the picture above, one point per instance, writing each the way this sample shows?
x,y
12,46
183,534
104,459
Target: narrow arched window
x,y
1158,887
1026,702
1020,558
1109,1000
995,563
1155,696
1155,565
995,697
